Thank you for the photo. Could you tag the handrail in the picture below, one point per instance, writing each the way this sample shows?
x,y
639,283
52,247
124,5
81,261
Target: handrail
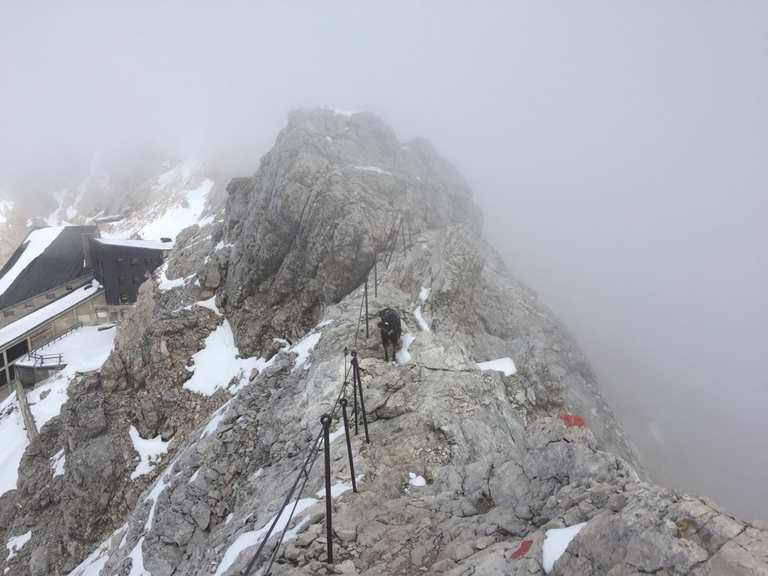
x,y
297,487
40,359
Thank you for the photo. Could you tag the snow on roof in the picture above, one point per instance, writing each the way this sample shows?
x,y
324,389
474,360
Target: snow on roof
x,y
146,244
31,321
34,245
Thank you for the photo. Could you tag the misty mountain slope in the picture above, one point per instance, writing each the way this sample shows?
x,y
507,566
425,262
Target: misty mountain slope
x,y
146,199
500,466
180,449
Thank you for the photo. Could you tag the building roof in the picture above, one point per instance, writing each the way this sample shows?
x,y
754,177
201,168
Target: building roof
x,y
31,321
143,244
48,257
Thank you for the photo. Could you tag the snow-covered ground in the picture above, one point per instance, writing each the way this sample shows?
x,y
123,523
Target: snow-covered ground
x,y
219,362
555,543
84,349
87,347
178,199
505,365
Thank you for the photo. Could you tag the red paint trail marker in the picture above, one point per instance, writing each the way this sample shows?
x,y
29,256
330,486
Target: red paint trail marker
x,y
572,420
522,550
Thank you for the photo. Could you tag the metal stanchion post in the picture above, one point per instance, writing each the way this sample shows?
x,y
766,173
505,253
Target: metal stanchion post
x,y
356,376
349,443
325,419
366,307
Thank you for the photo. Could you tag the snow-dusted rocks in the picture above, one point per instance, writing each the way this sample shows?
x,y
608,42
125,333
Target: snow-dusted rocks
x,y
498,466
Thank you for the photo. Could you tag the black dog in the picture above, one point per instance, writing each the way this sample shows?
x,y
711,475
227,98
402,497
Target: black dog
x,y
390,331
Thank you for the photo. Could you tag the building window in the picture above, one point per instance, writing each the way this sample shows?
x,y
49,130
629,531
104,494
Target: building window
x,y
124,299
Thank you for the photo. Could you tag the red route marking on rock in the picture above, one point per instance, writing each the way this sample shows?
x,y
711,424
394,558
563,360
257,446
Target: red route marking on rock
x,y
522,550
571,420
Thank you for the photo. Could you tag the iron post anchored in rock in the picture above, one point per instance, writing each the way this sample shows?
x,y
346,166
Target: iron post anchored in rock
x,y
325,420
26,413
349,443
358,387
367,334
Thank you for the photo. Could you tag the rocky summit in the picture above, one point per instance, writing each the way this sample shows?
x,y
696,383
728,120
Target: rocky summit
x,y
491,449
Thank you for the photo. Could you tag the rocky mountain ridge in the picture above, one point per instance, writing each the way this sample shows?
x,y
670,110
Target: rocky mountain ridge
x,y
470,470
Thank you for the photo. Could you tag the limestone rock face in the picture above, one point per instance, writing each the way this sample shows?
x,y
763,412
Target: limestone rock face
x,y
467,469
304,230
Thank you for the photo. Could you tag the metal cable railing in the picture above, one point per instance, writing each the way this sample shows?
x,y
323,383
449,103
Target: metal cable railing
x,y
321,439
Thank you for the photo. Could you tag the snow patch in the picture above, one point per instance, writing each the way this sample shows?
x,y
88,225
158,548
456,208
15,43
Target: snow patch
x,y
505,365
159,487
150,451
16,543
213,423
210,304
416,480
219,362
423,325
336,490
137,560
403,355
336,434
164,284
555,543
304,348
57,463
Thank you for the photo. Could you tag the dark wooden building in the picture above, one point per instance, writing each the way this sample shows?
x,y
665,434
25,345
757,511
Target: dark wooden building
x,y
121,266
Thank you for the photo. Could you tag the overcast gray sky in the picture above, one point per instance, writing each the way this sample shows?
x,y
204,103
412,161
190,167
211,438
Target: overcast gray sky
x,y
618,148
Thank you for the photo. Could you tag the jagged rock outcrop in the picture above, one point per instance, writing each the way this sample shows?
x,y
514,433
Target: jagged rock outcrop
x,y
140,385
304,230
467,469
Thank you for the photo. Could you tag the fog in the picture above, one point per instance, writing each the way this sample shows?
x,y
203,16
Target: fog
x,y
618,150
